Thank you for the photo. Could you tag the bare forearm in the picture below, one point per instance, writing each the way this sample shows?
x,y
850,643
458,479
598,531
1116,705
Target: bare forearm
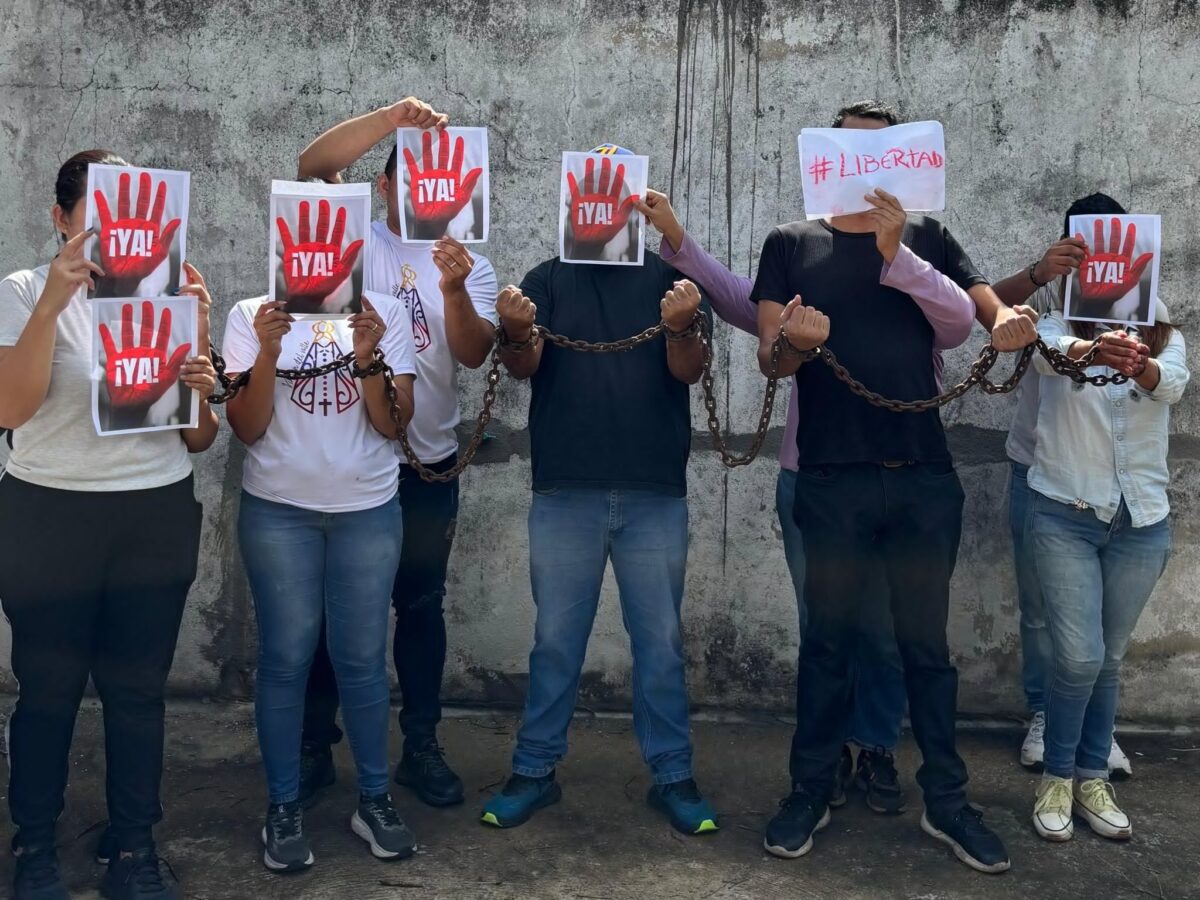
x,y
201,437
250,412
343,145
1015,289
522,364
1150,376
25,370
470,336
685,359
988,305
380,411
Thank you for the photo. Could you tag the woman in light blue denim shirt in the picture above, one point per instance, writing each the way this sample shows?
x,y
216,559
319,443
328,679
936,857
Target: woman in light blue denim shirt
x,y
1101,538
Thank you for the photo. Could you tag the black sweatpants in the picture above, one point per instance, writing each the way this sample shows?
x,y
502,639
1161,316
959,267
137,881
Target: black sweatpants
x,y
92,583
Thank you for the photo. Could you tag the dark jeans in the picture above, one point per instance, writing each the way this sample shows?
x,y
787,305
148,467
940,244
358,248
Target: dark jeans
x,y
419,642
907,519
92,583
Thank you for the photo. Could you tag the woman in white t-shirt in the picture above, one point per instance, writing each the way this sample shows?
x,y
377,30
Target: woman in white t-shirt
x,y
320,532
100,539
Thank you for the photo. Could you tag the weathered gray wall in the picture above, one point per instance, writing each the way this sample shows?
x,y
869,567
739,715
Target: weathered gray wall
x,y
1042,101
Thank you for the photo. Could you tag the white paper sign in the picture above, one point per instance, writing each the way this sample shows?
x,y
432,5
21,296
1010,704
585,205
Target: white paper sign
x,y
839,166
597,222
1118,279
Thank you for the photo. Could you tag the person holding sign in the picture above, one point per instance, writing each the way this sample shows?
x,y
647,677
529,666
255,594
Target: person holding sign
x,y
873,488
449,296
101,536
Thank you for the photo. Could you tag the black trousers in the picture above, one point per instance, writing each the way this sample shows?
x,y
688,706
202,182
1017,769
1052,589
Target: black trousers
x,y
909,520
419,642
92,583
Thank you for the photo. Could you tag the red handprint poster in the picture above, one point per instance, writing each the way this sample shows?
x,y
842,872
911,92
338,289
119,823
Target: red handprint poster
x,y
318,246
597,222
140,219
443,185
138,348
1117,281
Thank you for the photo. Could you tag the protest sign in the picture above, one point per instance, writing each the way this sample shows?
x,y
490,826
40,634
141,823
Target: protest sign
x,y
597,222
318,268
140,246
840,166
1117,281
443,184
135,370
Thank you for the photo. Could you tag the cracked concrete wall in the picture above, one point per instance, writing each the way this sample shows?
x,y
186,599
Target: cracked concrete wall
x,y
1042,102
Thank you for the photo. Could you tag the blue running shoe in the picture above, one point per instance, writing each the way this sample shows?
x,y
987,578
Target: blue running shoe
x,y
688,811
520,798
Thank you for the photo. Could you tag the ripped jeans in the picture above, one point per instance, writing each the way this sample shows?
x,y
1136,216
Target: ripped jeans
x,y
419,642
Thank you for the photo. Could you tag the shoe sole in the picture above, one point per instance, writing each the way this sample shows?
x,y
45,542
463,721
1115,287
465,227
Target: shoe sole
x,y
785,853
424,796
960,852
1100,827
276,866
1057,837
551,797
363,830
707,826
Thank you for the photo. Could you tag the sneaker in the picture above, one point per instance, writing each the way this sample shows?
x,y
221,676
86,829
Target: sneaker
x,y
1034,747
377,822
972,841
1052,809
285,847
106,848
843,779
520,798
37,876
1118,763
137,876
424,770
316,772
876,776
688,811
1096,803
790,833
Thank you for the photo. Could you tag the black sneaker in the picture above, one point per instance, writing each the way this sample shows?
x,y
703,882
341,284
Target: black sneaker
x,y
106,848
843,779
37,876
377,822
424,770
790,833
972,841
316,772
876,777
137,876
285,847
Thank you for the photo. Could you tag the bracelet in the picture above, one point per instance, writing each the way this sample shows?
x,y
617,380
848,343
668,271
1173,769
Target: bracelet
x,y
1034,280
687,334
511,346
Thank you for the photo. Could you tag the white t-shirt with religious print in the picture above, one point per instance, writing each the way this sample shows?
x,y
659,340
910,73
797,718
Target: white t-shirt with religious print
x,y
407,272
320,451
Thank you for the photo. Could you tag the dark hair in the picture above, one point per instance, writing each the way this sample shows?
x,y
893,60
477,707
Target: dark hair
x,y
72,175
867,109
1091,205
390,169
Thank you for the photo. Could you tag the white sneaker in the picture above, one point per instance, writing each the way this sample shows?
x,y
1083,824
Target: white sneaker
x,y
1097,804
1118,762
1052,809
1033,748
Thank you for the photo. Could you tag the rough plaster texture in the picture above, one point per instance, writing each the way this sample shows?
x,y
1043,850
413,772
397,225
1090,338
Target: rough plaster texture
x,y
1042,101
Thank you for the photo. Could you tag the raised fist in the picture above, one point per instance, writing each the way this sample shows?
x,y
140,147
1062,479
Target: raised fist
x,y
133,246
597,212
139,373
439,192
804,327
1107,277
517,313
679,306
316,266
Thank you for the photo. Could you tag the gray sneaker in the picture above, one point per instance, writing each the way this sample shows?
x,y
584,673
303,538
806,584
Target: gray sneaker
x,y
377,822
286,849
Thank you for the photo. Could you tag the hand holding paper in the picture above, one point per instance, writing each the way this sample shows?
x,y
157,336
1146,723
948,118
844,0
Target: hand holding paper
x,y
139,373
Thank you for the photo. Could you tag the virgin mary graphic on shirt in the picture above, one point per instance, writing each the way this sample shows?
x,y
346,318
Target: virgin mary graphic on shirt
x,y
406,290
337,391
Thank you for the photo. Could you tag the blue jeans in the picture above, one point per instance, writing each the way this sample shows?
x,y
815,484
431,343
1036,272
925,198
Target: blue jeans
x,y
879,692
1096,579
305,566
573,532
1036,649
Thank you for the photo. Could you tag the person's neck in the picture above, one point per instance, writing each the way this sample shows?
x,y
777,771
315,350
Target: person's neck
x,y
855,223
394,226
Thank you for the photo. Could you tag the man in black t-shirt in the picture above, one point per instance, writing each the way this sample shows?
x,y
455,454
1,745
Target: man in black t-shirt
x,y
610,436
873,487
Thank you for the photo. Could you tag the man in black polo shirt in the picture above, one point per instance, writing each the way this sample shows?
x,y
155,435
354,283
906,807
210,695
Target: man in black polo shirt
x,y
610,435
872,485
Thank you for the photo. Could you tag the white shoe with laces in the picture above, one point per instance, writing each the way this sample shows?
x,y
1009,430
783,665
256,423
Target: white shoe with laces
x,y
1033,747
1096,803
1118,762
1052,809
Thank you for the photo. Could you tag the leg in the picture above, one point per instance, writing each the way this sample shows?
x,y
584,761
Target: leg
x,y
321,701
144,594
283,548
52,610
419,642
793,540
568,550
1036,651
879,691
649,556
361,554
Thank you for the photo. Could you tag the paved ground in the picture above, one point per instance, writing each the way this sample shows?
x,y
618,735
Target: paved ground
x,y
603,842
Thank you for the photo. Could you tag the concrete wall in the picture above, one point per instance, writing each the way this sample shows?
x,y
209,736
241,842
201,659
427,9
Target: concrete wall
x,y
1042,102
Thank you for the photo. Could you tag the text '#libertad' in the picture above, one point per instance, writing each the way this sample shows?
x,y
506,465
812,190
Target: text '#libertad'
x,y
853,165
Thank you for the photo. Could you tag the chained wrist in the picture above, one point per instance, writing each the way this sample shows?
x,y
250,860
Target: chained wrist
x,y
511,346
686,334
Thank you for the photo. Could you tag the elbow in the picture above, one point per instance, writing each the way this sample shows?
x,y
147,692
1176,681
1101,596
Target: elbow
x,y
955,334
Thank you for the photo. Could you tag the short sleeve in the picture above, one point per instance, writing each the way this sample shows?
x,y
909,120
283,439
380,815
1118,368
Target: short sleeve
x,y
482,288
536,286
959,267
397,341
16,306
240,347
771,282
